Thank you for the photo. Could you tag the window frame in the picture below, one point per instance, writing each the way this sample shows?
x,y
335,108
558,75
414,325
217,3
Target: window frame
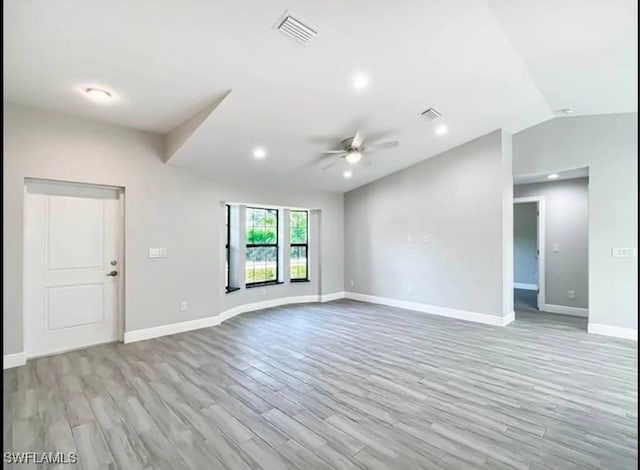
x,y
305,245
249,285
228,288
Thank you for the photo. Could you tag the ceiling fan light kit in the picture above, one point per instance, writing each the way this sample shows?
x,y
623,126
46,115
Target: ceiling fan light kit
x,y
353,157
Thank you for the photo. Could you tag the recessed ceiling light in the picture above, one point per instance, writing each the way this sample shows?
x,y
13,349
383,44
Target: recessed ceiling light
x,y
98,95
353,157
360,82
553,176
568,110
441,130
259,153
347,174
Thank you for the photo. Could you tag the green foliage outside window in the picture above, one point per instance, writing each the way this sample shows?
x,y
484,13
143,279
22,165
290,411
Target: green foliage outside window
x,y
298,227
299,234
262,245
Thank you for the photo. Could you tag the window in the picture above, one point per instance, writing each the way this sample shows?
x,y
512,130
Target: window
x,y
262,246
299,233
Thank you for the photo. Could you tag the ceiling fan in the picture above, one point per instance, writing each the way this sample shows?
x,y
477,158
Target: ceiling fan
x,y
353,150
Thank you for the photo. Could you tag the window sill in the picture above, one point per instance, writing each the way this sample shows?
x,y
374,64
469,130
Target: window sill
x,y
261,284
232,289
300,280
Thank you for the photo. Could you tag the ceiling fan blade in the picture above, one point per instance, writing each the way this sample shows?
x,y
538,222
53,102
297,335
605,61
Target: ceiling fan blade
x,y
331,152
330,164
382,145
357,140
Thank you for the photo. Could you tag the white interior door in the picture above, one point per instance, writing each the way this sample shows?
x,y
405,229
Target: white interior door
x,y
73,266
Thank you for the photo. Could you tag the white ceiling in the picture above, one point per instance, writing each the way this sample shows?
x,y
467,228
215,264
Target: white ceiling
x,y
583,54
483,64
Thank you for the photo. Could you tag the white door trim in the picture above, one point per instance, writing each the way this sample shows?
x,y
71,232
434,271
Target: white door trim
x,y
120,317
22,357
539,200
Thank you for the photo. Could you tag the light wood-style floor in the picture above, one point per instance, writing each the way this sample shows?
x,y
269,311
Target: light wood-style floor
x,y
337,385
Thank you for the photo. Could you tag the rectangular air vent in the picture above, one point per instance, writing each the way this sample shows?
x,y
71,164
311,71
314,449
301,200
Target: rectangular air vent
x,y
431,114
296,29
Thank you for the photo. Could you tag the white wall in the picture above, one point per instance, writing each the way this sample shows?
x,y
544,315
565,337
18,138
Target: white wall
x,y
566,213
462,201
525,243
608,145
165,207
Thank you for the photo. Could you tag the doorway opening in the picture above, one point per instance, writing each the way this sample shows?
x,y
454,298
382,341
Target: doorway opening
x,y
528,253
73,266
551,246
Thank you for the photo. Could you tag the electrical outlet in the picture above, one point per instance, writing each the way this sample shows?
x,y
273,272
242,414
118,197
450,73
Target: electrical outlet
x,y
425,239
352,283
157,252
623,252
556,248
571,294
183,306
410,289
409,238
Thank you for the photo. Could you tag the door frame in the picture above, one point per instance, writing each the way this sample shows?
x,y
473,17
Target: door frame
x,y
120,302
539,200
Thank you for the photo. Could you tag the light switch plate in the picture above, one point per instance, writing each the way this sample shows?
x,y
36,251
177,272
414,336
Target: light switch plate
x,y
623,252
556,248
157,252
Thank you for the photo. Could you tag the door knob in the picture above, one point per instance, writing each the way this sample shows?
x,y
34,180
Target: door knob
x,y
113,273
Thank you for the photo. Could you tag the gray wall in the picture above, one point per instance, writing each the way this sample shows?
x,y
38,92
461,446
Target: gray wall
x,y
165,207
457,200
566,225
525,242
608,145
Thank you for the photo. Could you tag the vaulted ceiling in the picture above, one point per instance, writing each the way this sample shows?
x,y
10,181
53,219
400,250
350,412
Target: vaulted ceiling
x,y
483,64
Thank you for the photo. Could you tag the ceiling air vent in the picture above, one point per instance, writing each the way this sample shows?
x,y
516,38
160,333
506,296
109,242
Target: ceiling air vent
x,y
431,114
296,29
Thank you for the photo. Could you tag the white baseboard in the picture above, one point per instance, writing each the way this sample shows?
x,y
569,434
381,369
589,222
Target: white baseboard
x,y
172,329
435,310
232,312
332,296
616,331
508,318
525,286
564,310
181,327
10,361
